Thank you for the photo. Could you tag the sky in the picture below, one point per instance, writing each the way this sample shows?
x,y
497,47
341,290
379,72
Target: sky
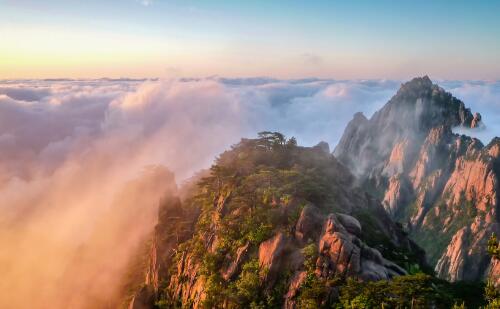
x,y
282,39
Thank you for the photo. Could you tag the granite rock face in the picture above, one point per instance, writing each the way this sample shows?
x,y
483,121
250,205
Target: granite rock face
x,y
443,187
271,256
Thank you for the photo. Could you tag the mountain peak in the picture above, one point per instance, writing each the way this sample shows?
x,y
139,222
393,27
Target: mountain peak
x,y
411,114
419,104
423,81
359,117
419,87
418,83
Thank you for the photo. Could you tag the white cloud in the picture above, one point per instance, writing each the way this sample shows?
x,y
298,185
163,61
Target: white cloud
x,y
146,2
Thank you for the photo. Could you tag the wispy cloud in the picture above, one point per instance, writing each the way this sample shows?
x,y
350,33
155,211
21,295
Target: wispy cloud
x,y
312,59
146,2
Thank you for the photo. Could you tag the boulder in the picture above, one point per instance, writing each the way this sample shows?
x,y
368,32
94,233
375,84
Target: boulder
x,y
271,256
308,223
350,223
342,253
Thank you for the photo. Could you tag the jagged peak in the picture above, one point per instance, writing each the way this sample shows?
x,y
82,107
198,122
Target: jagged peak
x,y
323,146
359,117
419,86
476,121
431,104
423,81
426,78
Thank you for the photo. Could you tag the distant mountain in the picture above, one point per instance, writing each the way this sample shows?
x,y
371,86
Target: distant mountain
x,y
442,186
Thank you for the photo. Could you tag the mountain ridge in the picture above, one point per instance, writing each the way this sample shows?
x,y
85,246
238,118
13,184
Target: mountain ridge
x,y
434,181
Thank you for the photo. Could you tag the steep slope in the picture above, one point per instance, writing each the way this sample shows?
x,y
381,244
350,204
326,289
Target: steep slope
x,y
441,186
272,225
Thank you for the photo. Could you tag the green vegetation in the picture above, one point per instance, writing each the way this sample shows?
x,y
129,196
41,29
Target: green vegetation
x,y
493,248
491,292
374,237
314,292
248,284
412,291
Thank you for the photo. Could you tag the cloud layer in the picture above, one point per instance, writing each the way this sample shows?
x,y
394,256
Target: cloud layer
x,y
70,149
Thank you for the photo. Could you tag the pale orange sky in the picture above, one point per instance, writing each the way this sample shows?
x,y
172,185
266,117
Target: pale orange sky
x,y
335,39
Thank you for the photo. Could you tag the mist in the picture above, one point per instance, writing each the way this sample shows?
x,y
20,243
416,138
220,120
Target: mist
x,y
84,163
479,96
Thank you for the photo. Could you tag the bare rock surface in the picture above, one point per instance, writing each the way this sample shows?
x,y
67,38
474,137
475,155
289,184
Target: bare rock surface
x,y
271,255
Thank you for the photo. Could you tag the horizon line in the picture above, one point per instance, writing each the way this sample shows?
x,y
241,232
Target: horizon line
x,y
221,77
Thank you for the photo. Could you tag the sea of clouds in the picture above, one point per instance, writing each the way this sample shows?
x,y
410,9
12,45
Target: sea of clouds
x,y
69,148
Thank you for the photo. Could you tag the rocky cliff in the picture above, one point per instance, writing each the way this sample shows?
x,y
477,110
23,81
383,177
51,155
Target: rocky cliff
x,y
442,186
272,225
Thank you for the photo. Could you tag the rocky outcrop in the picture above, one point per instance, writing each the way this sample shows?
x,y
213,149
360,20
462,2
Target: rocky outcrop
x,y
440,185
342,253
473,180
306,228
350,223
271,256
175,225
451,263
476,121
396,194
186,286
